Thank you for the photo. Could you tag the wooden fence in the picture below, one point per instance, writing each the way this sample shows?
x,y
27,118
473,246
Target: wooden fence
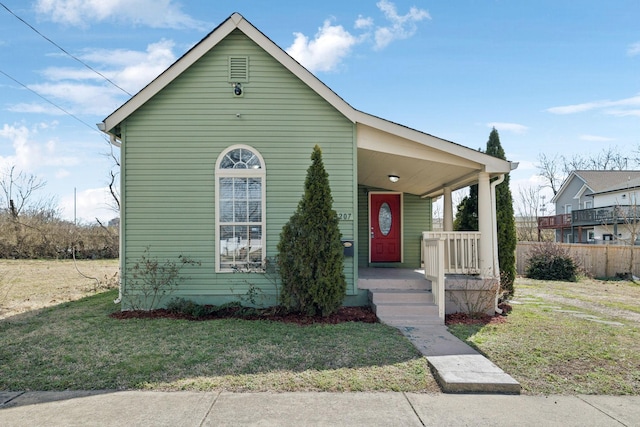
x,y
596,260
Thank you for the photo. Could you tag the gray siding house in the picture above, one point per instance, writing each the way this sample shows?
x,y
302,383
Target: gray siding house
x,y
594,206
214,154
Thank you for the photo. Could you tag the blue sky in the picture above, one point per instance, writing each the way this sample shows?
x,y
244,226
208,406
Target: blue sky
x,y
558,77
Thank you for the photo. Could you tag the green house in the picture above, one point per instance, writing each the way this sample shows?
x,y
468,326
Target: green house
x,y
214,154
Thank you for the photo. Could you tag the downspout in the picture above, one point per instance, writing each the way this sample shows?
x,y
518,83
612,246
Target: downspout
x,y
494,238
114,143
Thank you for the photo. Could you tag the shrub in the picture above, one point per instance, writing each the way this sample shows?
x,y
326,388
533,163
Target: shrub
x,y
149,281
550,261
310,257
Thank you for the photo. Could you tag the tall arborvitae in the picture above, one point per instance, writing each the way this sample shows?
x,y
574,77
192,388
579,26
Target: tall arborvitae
x,y
507,238
310,251
467,213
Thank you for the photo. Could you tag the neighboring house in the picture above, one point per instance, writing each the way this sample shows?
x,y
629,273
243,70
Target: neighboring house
x,y
214,154
595,207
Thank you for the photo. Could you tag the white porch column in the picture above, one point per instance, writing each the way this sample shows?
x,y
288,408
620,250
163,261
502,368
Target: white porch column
x,y
447,211
485,225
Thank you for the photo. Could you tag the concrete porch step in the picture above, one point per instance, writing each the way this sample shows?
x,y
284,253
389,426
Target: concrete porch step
x,y
411,321
402,284
405,309
394,296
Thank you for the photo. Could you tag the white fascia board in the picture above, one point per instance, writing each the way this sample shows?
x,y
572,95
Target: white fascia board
x,y
297,69
177,68
205,45
490,164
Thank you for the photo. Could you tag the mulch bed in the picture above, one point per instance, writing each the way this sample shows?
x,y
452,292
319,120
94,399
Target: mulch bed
x,y
344,314
479,318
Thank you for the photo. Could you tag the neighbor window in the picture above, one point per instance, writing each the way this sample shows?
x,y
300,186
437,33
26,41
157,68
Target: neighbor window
x,y
240,207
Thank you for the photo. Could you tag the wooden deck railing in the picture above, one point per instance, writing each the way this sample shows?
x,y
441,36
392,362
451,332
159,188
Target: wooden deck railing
x,y
433,256
461,254
448,253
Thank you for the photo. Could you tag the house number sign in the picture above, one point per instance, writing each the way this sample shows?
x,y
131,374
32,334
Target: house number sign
x,y
342,216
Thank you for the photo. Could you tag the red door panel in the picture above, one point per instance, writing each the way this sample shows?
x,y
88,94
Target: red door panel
x,y
384,211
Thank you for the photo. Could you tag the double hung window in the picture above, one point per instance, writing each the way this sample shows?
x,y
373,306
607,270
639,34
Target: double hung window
x,y
240,209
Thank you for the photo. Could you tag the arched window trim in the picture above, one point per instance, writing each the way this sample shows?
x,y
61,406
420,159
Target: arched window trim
x,y
259,173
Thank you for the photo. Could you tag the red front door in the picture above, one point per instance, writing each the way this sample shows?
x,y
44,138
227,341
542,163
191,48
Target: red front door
x,y
384,213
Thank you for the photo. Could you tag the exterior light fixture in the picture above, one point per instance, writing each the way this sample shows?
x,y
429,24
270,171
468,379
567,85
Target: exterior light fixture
x,y
394,178
237,89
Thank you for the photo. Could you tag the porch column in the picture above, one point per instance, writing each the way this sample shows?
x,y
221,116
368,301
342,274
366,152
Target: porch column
x,y
485,225
447,211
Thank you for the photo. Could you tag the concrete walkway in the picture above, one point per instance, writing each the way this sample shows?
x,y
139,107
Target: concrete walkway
x,y
145,408
402,298
458,368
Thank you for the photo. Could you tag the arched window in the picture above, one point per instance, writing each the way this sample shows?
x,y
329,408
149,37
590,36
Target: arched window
x,y
240,209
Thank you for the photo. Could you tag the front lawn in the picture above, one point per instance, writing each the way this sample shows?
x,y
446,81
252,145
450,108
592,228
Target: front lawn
x,y
76,345
563,338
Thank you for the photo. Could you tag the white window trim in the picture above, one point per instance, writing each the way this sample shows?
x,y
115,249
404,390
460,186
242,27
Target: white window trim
x,y
250,173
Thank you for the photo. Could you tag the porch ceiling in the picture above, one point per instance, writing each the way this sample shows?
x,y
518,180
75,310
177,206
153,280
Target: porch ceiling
x,y
424,163
422,177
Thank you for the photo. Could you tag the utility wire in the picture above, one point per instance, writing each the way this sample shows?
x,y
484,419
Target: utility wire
x,y
54,104
63,50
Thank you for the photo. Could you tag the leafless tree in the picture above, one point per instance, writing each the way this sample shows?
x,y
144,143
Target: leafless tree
x,y
557,168
113,179
526,206
549,169
18,191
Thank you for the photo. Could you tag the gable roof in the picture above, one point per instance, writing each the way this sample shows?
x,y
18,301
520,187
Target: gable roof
x,y
602,181
480,161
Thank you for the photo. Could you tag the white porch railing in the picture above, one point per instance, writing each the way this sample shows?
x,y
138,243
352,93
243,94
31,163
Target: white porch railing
x,y
450,252
461,250
433,256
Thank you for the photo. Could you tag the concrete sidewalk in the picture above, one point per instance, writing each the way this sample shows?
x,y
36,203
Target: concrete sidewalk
x,y
146,408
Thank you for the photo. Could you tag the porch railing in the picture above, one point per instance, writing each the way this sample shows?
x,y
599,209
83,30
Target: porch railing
x,y
433,256
460,249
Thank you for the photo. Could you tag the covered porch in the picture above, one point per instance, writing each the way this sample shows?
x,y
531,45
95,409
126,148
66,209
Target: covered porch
x,y
454,267
448,281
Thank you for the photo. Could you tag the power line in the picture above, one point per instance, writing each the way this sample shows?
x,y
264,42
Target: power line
x,y
63,50
53,103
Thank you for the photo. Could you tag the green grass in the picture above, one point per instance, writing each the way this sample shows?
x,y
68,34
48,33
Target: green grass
x,y
556,353
76,346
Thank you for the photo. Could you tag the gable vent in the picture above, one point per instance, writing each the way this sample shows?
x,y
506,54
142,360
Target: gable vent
x,y
238,69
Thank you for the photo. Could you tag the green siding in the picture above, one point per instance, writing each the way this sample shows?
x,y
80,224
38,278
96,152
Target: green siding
x,y
417,217
170,148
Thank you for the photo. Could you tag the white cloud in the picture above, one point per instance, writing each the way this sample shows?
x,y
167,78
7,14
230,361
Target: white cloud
x,y
508,127
634,49
595,138
402,26
331,44
152,13
81,91
608,107
363,23
29,153
35,108
89,204
623,113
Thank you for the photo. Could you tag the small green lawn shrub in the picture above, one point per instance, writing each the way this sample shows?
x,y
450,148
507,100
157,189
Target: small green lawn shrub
x,y
549,261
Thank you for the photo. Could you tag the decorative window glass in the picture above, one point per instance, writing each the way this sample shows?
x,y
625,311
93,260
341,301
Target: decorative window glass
x,y
384,218
240,218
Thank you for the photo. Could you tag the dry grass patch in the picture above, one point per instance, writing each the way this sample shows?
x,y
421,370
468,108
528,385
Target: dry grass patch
x,y
27,285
